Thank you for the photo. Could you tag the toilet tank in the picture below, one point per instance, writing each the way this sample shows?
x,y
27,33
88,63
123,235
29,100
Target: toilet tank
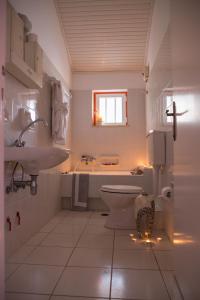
x,y
169,150
156,147
160,148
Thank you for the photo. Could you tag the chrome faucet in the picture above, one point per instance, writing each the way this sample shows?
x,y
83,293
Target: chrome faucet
x,y
19,142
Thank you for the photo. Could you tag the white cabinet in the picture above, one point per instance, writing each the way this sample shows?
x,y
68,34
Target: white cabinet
x,y
17,36
24,60
33,56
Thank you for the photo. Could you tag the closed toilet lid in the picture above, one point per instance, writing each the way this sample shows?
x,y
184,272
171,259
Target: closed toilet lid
x,y
126,189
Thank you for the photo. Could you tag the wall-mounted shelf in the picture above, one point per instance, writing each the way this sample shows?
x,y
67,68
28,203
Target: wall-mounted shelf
x,y
24,58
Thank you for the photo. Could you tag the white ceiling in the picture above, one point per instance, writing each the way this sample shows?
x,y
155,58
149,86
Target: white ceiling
x,y
105,35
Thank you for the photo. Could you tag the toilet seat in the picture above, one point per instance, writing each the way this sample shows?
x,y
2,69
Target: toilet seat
x,y
121,189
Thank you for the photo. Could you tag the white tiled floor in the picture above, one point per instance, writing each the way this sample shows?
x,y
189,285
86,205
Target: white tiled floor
x,y
164,259
134,259
74,257
87,282
37,279
51,256
21,254
138,284
91,257
36,239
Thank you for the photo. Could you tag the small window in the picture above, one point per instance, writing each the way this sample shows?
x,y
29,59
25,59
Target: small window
x,y
110,108
167,105
184,103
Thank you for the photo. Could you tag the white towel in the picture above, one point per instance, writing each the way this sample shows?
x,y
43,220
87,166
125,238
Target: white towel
x,y
60,112
80,186
142,201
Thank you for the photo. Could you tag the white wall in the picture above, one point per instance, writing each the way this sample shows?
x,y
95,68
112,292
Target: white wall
x,y
107,80
55,64
43,206
159,26
2,62
40,135
159,60
35,211
45,24
128,142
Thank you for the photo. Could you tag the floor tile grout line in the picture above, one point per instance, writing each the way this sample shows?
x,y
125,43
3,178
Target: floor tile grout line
x,y
178,286
110,291
21,263
135,249
74,247
35,247
159,269
94,267
58,295
42,239
50,232
12,273
69,258
163,250
59,222
90,297
38,245
28,293
58,246
154,253
67,266
47,233
71,296
86,297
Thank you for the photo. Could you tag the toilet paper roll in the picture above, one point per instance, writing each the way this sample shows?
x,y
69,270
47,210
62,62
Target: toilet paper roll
x,y
166,192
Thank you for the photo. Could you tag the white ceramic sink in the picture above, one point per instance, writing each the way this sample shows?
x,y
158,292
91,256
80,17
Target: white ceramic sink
x,y
34,159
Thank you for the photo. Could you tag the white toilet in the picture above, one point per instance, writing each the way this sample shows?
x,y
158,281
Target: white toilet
x,y
120,200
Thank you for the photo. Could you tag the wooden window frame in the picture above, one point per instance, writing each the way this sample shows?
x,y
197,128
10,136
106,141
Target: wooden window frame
x,y
95,110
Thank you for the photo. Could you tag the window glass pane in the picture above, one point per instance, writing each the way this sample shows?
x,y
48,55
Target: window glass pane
x,y
186,103
119,109
110,111
102,108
